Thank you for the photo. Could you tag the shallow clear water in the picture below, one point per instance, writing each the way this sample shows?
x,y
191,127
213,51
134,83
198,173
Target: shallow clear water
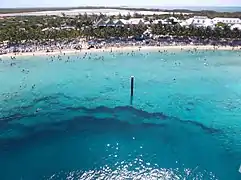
x,y
73,119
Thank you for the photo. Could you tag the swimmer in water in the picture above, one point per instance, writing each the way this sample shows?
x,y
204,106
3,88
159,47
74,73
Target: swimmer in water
x,y
37,110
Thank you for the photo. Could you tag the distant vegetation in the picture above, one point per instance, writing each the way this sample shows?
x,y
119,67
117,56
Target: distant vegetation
x,y
21,29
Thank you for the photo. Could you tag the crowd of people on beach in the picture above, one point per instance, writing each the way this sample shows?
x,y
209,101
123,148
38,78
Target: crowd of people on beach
x,y
39,47
78,45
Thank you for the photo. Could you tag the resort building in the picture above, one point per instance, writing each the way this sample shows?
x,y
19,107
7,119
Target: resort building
x,y
135,21
120,22
204,21
110,23
201,21
198,21
163,21
157,21
226,20
185,23
100,23
236,26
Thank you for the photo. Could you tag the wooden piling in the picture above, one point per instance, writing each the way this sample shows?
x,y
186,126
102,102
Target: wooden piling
x,y
132,86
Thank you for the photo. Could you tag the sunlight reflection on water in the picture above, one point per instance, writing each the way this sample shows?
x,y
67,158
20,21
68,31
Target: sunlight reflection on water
x,y
142,173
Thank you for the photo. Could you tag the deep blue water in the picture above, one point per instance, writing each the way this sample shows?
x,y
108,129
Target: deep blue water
x,y
72,118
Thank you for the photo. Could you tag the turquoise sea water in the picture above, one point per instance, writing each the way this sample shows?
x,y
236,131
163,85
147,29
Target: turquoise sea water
x,y
209,8
72,118
198,8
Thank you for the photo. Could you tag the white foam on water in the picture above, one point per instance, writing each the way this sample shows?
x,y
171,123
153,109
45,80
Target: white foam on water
x,y
240,169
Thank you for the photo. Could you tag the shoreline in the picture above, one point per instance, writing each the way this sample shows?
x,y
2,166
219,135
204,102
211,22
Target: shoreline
x,y
121,49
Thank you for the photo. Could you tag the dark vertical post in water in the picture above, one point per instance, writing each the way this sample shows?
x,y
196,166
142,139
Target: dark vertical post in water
x,y
132,89
132,86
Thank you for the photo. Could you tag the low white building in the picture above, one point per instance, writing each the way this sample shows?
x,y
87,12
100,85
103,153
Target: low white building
x,y
236,26
161,21
100,23
157,21
147,23
135,21
202,21
226,20
119,23
198,21
186,23
109,23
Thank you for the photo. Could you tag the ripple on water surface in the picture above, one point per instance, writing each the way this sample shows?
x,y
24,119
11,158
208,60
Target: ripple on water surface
x,y
71,119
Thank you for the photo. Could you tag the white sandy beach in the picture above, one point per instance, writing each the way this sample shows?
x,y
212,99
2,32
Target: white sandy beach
x,y
124,48
75,12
